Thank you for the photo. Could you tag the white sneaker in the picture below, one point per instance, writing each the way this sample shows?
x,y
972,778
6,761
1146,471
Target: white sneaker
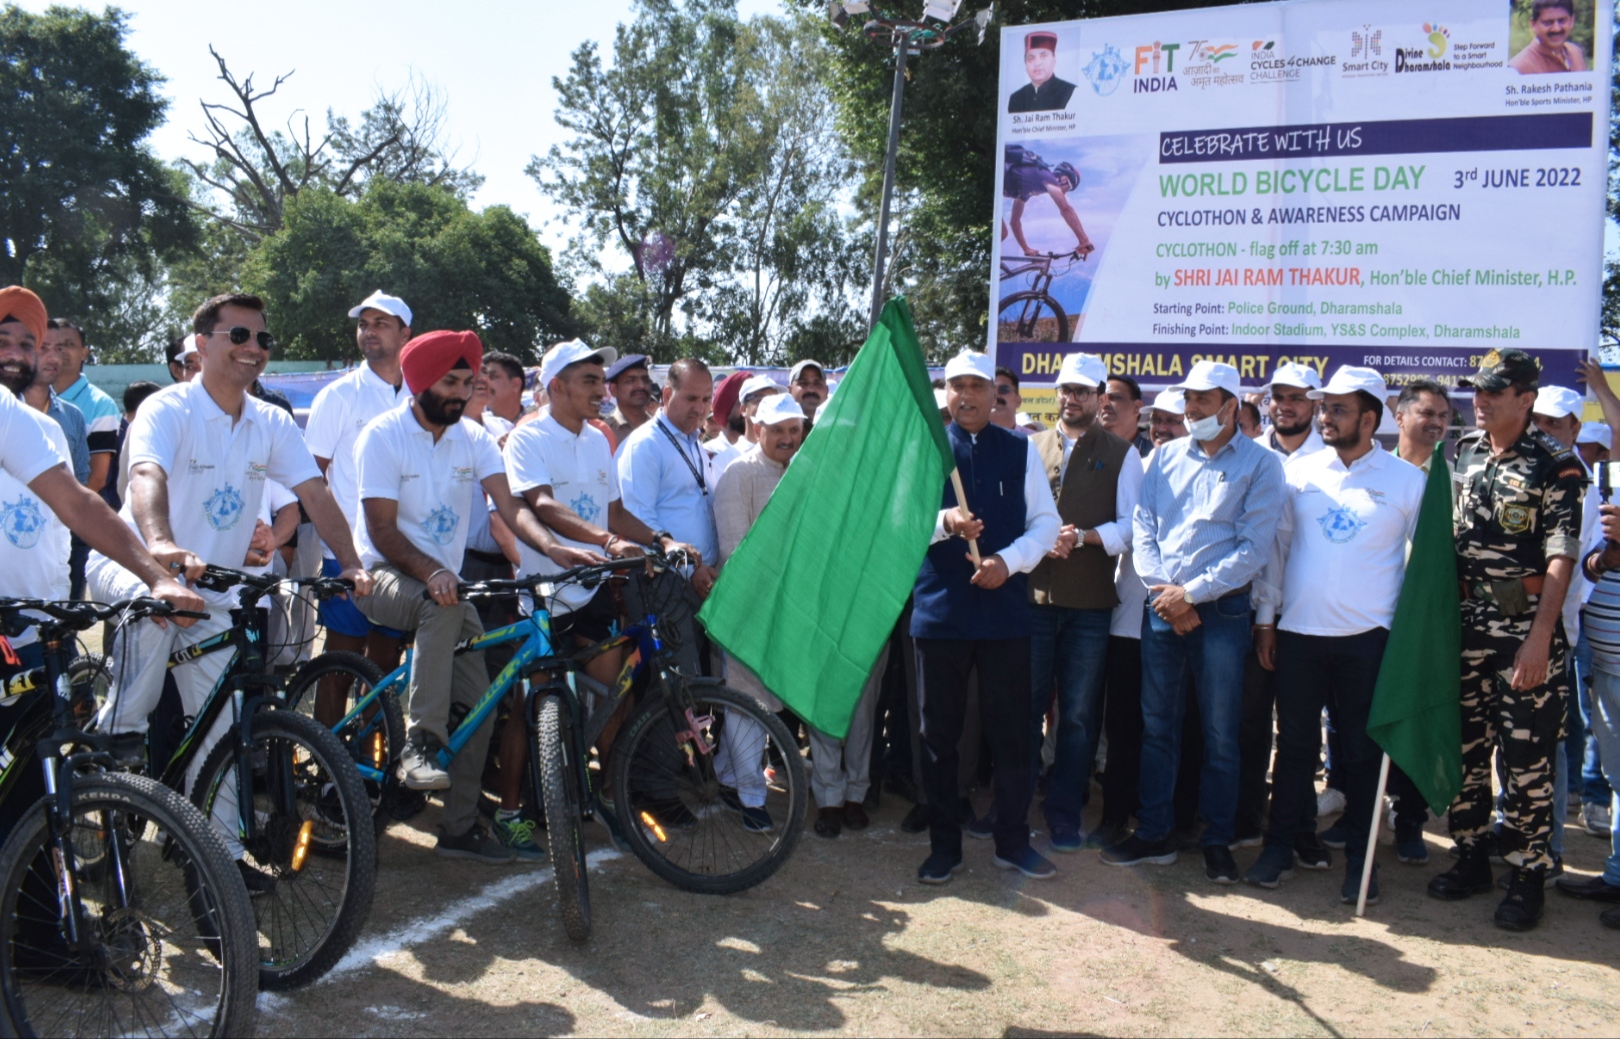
x,y
1596,820
419,770
1329,802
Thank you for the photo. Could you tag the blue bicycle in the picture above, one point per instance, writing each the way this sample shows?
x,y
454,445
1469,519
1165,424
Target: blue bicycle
x,y
705,785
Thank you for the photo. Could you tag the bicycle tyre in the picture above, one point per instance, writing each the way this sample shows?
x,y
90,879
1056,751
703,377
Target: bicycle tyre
x,y
660,791
171,855
1022,329
378,745
339,867
560,793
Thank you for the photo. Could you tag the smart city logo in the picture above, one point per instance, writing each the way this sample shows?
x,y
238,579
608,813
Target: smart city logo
x,y
1366,53
1106,70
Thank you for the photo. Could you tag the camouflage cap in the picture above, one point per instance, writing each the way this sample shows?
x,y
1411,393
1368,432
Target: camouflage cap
x,y
1500,369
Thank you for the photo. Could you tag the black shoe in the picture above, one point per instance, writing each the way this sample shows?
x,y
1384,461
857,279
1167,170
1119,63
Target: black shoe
x,y
1470,876
1029,862
1310,854
1521,909
1219,865
855,817
1134,851
829,822
128,749
258,882
1108,833
873,799
1505,880
1350,890
475,845
1589,889
938,867
920,818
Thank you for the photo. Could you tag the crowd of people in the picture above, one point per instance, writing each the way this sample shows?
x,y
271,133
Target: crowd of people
x,y
1171,606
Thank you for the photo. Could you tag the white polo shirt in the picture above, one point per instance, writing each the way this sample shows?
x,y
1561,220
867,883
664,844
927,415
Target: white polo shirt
x,y
26,449
1312,444
340,411
216,469
1341,544
276,497
580,471
34,550
432,482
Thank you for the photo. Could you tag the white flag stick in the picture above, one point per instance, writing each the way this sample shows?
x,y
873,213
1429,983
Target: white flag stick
x,y
961,499
1372,837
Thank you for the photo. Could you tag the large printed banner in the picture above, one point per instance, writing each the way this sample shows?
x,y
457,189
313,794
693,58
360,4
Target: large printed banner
x,y
1387,183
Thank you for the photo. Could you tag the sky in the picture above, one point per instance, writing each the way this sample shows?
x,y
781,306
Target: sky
x,y
494,62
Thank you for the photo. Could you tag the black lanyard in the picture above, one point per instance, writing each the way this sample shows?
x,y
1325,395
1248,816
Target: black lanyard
x,y
697,474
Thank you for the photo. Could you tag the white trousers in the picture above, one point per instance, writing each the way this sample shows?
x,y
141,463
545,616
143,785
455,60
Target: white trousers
x,y
841,770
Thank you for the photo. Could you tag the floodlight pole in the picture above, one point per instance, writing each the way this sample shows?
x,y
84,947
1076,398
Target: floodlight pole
x,y
882,255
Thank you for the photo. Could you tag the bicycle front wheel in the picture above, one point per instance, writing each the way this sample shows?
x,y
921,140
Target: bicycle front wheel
x,y
166,933
1032,317
711,787
563,799
328,689
312,832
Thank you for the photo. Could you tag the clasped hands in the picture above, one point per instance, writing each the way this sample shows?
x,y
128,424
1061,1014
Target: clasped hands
x,y
991,571
1170,603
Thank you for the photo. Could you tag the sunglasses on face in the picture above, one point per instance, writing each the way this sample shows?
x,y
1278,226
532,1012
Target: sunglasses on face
x,y
240,335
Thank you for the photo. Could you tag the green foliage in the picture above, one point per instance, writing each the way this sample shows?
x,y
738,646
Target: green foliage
x,y
86,209
456,268
704,178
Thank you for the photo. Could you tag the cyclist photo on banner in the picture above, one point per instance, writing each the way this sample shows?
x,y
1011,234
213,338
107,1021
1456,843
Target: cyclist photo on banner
x,y
1026,175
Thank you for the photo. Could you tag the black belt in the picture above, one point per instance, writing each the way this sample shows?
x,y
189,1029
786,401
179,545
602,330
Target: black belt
x,y
492,558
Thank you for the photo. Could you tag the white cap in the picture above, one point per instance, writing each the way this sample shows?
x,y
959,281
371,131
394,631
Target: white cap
x,y
1349,379
1082,370
1172,401
1301,375
382,301
969,362
755,383
776,408
793,373
1211,375
1596,433
572,351
1558,402
191,348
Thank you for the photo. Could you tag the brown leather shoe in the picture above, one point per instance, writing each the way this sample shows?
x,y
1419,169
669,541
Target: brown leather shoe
x,y
828,822
855,817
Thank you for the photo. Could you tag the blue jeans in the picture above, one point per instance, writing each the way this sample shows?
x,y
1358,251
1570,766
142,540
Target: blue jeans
x,y
1069,647
1594,789
1606,728
1212,656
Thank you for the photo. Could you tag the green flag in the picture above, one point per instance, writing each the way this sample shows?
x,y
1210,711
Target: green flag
x,y
811,595
1415,715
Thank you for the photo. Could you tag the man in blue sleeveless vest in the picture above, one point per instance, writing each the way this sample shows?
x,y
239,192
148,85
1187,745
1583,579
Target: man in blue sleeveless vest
x,y
966,617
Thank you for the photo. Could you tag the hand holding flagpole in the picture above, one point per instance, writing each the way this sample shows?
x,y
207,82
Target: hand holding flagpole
x,y
961,500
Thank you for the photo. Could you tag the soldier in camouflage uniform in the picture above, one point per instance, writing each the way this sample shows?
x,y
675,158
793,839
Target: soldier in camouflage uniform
x,y
1518,525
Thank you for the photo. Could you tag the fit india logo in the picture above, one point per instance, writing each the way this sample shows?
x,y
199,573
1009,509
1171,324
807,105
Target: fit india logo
x,y
223,508
1154,68
22,521
1106,70
1340,525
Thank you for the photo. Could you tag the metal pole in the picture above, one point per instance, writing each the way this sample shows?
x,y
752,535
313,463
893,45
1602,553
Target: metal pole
x,y
1372,838
878,261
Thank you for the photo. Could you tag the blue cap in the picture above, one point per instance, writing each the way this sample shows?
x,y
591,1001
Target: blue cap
x,y
625,363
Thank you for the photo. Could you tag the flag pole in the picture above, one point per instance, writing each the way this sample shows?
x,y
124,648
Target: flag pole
x,y
1372,837
961,499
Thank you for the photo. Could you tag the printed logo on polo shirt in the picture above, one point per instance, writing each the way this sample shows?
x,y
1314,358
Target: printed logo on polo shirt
x,y
585,507
195,467
1341,524
461,473
223,508
257,470
22,522
440,525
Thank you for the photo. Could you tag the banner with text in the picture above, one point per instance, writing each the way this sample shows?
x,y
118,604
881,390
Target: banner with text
x,y
1372,182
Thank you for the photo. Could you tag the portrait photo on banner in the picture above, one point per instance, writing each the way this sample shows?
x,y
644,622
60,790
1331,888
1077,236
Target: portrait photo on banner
x,y
1550,36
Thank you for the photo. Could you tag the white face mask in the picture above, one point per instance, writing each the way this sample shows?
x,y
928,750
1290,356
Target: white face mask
x,y
1206,429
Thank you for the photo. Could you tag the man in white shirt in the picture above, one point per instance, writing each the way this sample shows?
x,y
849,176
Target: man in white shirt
x,y
807,384
200,455
339,412
1094,478
505,376
751,392
1348,515
1167,418
1293,412
418,464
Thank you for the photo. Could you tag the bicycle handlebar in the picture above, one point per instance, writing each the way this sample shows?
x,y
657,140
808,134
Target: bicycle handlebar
x,y
589,574
82,616
223,579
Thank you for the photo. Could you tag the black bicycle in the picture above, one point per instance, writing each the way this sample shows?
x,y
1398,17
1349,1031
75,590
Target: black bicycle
x,y
306,821
120,911
1032,315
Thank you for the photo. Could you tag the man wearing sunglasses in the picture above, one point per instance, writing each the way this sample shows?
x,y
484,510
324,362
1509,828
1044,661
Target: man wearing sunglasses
x,y
200,453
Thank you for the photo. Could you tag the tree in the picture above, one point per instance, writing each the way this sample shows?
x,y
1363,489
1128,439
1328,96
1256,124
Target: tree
x,y
402,137
456,268
704,179
86,209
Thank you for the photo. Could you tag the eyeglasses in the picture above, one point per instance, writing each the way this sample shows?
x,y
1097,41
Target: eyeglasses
x,y
1078,392
240,335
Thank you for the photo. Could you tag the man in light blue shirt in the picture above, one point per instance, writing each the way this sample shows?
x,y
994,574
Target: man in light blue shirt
x,y
1204,527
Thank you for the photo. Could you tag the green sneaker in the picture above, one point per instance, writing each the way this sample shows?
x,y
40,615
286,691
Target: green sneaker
x,y
521,835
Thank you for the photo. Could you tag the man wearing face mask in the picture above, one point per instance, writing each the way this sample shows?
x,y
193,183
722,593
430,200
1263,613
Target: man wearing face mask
x,y
1204,526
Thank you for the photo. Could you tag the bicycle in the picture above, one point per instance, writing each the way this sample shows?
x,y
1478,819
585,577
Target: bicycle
x,y
1032,315
120,910
302,823
684,823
